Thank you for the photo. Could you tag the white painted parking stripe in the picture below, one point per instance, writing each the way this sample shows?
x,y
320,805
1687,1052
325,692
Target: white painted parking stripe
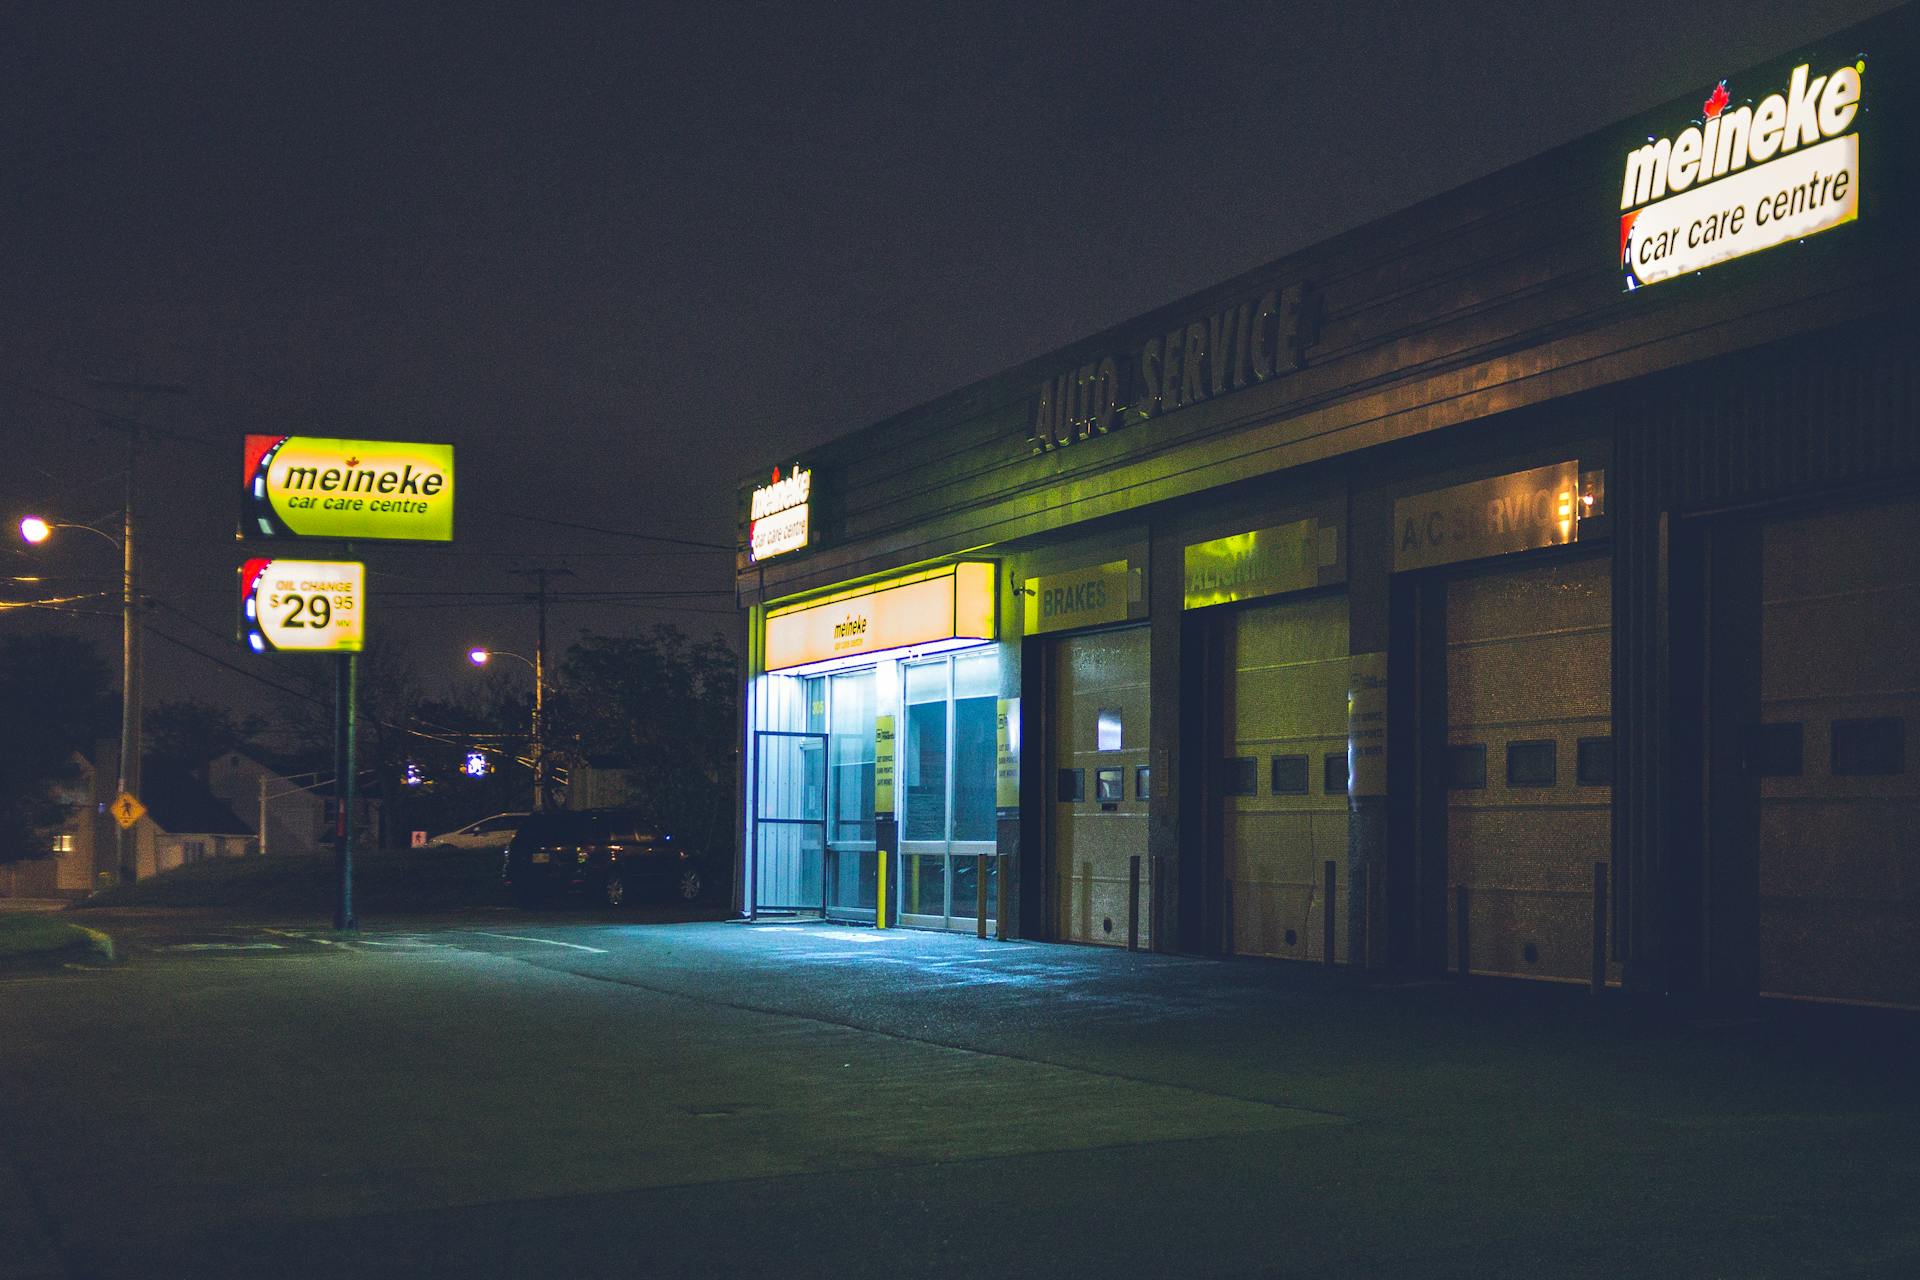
x,y
520,937
223,946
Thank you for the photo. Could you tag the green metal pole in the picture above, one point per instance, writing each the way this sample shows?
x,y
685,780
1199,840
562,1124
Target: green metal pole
x,y
346,766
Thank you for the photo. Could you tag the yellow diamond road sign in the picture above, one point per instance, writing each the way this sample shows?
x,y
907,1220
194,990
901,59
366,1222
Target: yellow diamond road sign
x,y
127,811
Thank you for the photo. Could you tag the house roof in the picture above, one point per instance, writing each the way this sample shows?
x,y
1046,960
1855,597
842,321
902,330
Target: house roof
x,y
180,804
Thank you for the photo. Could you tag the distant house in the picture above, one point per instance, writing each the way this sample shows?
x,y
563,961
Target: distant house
x,y
299,813
185,823
81,846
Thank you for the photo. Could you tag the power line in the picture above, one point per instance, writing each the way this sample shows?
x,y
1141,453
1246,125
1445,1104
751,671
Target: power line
x,y
117,421
458,737
620,533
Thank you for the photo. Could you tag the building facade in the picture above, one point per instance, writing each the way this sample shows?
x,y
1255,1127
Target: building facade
x,y
1523,582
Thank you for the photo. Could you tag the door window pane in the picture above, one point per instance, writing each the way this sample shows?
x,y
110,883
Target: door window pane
x,y
816,704
975,753
924,752
923,884
850,756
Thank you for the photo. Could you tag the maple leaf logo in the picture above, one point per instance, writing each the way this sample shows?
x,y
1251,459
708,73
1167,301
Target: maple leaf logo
x,y
353,462
1716,101
776,475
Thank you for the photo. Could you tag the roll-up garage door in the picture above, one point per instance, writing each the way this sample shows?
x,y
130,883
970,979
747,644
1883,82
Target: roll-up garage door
x,y
1839,821
1100,786
1283,777
1529,764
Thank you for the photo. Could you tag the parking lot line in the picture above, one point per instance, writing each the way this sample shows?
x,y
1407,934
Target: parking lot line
x,y
521,937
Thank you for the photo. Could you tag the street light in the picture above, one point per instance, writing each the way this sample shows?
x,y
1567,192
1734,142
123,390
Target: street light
x,y
480,658
36,530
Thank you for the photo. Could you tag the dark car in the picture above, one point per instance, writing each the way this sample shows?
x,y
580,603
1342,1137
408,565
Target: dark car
x,y
606,854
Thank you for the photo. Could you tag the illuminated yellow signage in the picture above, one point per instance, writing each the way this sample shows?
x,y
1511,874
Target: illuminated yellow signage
x,y
312,487
1367,724
948,604
303,605
1006,742
779,517
1082,598
1518,512
1288,557
1690,200
883,766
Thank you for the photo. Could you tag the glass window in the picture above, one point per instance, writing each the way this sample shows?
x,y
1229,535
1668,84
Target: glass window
x,y
1864,748
1240,775
1467,766
1771,750
1110,786
850,756
976,707
1106,730
1594,768
816,704
923,752
1333,774
1532,764
1289,775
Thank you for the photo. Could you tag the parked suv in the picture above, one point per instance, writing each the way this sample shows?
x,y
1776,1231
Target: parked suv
x,y
604,853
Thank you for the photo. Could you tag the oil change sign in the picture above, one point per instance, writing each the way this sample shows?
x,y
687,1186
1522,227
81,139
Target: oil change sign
x,y
1747,173
318,606
314,487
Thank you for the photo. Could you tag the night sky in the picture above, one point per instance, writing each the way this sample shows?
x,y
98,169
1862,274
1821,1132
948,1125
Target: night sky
x,y
623,256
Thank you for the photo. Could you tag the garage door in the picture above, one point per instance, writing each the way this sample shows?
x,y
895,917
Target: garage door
x,y
1099,752
1839,821
1283,777
1529,764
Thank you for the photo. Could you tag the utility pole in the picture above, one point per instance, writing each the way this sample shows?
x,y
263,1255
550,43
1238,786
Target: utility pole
x,y
542,798
130,691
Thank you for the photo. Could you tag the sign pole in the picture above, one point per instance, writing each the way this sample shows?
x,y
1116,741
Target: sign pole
x,y
346,682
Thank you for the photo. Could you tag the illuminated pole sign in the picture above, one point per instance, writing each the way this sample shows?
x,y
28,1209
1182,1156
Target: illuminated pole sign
x,y
1743,177
315,606
779,514
314,487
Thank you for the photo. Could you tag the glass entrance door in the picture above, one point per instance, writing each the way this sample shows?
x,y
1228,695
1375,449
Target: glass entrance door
x,y
853,865
790,821
947,756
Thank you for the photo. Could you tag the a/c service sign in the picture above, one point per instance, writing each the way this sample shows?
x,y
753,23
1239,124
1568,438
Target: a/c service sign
x,y
314,487
311,605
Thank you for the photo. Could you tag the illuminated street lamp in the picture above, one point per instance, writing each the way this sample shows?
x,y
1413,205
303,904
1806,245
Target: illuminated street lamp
x,y
479,658
36,530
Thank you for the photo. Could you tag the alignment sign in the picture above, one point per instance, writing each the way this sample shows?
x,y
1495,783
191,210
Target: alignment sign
x,y
317,487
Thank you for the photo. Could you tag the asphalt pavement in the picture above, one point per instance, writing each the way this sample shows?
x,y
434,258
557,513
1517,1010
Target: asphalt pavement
x,y
582,1095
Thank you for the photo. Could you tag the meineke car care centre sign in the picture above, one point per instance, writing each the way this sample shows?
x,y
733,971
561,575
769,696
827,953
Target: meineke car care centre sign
x,y
315,487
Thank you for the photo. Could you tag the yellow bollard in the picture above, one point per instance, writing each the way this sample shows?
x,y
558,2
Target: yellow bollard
x,y
880,900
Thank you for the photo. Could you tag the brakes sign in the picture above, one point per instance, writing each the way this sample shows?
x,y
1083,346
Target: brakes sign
x,y
318,487
303,605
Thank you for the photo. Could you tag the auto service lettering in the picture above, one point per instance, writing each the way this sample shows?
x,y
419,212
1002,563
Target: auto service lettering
x,y
1690,200
1242,344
